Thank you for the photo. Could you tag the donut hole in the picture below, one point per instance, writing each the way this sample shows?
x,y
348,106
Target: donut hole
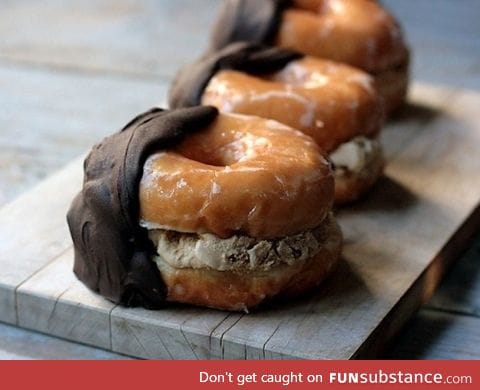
x,y
214,158
216,155
294,74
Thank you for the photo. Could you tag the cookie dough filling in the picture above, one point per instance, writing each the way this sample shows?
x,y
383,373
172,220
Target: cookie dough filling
x,y
240,252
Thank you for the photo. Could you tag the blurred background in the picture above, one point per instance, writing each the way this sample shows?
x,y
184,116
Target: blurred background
x,y
74,71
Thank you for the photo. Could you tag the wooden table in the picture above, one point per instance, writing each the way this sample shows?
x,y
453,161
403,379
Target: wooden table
x,y
59,64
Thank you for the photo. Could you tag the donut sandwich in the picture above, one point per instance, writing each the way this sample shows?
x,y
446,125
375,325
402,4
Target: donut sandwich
x,y
213,209
335,104
361,33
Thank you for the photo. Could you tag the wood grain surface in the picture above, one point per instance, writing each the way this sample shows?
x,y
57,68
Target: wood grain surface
x,y
20,344
447,336
127,37
397,237
50,117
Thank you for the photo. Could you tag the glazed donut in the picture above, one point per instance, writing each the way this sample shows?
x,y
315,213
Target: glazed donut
x,y
203,208
240,213
241,175
331,102
357,32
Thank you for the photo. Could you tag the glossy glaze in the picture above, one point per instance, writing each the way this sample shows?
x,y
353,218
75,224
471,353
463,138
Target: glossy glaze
x,y
242,174
359,32
330,102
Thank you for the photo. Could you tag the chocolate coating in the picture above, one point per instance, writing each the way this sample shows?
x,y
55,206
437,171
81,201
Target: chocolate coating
x,y
189,83
247,20
113,255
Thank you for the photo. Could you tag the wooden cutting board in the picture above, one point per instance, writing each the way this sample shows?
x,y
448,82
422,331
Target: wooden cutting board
x,y
398,243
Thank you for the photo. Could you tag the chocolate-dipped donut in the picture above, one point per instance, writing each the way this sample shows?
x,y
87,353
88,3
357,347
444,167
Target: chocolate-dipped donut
x,y
112,252
337,105
192,206
358,32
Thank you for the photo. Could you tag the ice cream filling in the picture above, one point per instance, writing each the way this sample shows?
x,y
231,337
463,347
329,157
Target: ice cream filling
x,y
356,155
239,252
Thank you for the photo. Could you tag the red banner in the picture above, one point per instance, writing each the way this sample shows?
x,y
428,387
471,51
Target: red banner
x,y
143,375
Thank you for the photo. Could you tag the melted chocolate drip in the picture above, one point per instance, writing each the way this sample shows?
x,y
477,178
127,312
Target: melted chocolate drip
x,y
254,21
189,83
113,255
